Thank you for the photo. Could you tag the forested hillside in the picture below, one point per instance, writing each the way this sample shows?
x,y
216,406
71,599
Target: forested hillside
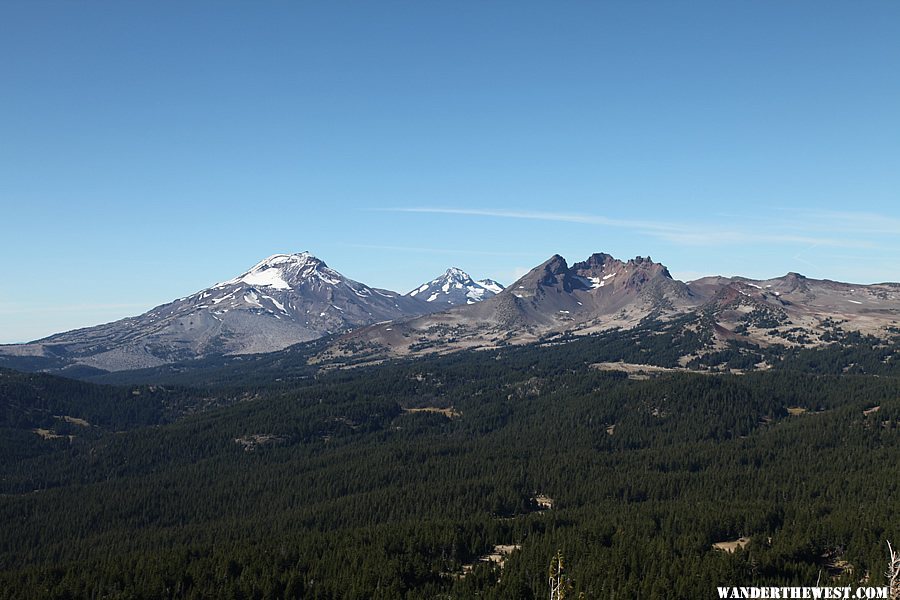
x,y
391,481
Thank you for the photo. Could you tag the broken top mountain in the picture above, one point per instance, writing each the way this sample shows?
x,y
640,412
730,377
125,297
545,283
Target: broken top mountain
x,y
598,293
603,293
280,301
292,298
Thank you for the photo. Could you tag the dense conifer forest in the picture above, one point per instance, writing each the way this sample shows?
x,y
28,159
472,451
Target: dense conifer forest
x,y
396,480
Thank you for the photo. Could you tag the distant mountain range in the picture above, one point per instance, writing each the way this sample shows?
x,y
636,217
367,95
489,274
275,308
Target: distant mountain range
x,y
280,301
555,300
291,298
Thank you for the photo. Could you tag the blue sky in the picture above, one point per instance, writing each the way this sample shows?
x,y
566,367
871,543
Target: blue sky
x,y
150,149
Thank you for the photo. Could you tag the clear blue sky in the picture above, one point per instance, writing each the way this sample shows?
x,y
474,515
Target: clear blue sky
x,y
150,149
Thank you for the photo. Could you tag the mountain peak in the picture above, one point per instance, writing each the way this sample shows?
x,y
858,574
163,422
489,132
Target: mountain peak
x,y
282,259
491,285
648,264
553,271
596,260
283,271
457,274
555,264
455,286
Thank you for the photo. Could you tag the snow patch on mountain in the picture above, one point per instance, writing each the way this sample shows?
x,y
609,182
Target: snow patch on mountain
x,y
490,285
455,287
266,278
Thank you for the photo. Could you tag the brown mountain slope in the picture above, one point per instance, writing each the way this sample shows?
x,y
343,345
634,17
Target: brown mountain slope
x,y
599,293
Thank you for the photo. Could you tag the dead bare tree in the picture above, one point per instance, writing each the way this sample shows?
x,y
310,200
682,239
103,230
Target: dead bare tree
x,y
893,573
559,583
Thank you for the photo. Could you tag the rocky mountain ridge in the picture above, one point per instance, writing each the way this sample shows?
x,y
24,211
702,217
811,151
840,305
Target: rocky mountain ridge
x,y
291,298
555,300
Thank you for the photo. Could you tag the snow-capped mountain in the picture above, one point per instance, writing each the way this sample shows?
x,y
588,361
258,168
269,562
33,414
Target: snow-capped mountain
x,y
455,287
291,298
280,301
302,289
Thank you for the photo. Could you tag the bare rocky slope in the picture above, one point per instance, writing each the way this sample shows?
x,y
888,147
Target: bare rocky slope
x,y
599,293
603,293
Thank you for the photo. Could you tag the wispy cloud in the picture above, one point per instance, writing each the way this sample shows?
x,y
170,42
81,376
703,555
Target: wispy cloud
x,y
699,234
835,222
542,216
857,222
453,251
